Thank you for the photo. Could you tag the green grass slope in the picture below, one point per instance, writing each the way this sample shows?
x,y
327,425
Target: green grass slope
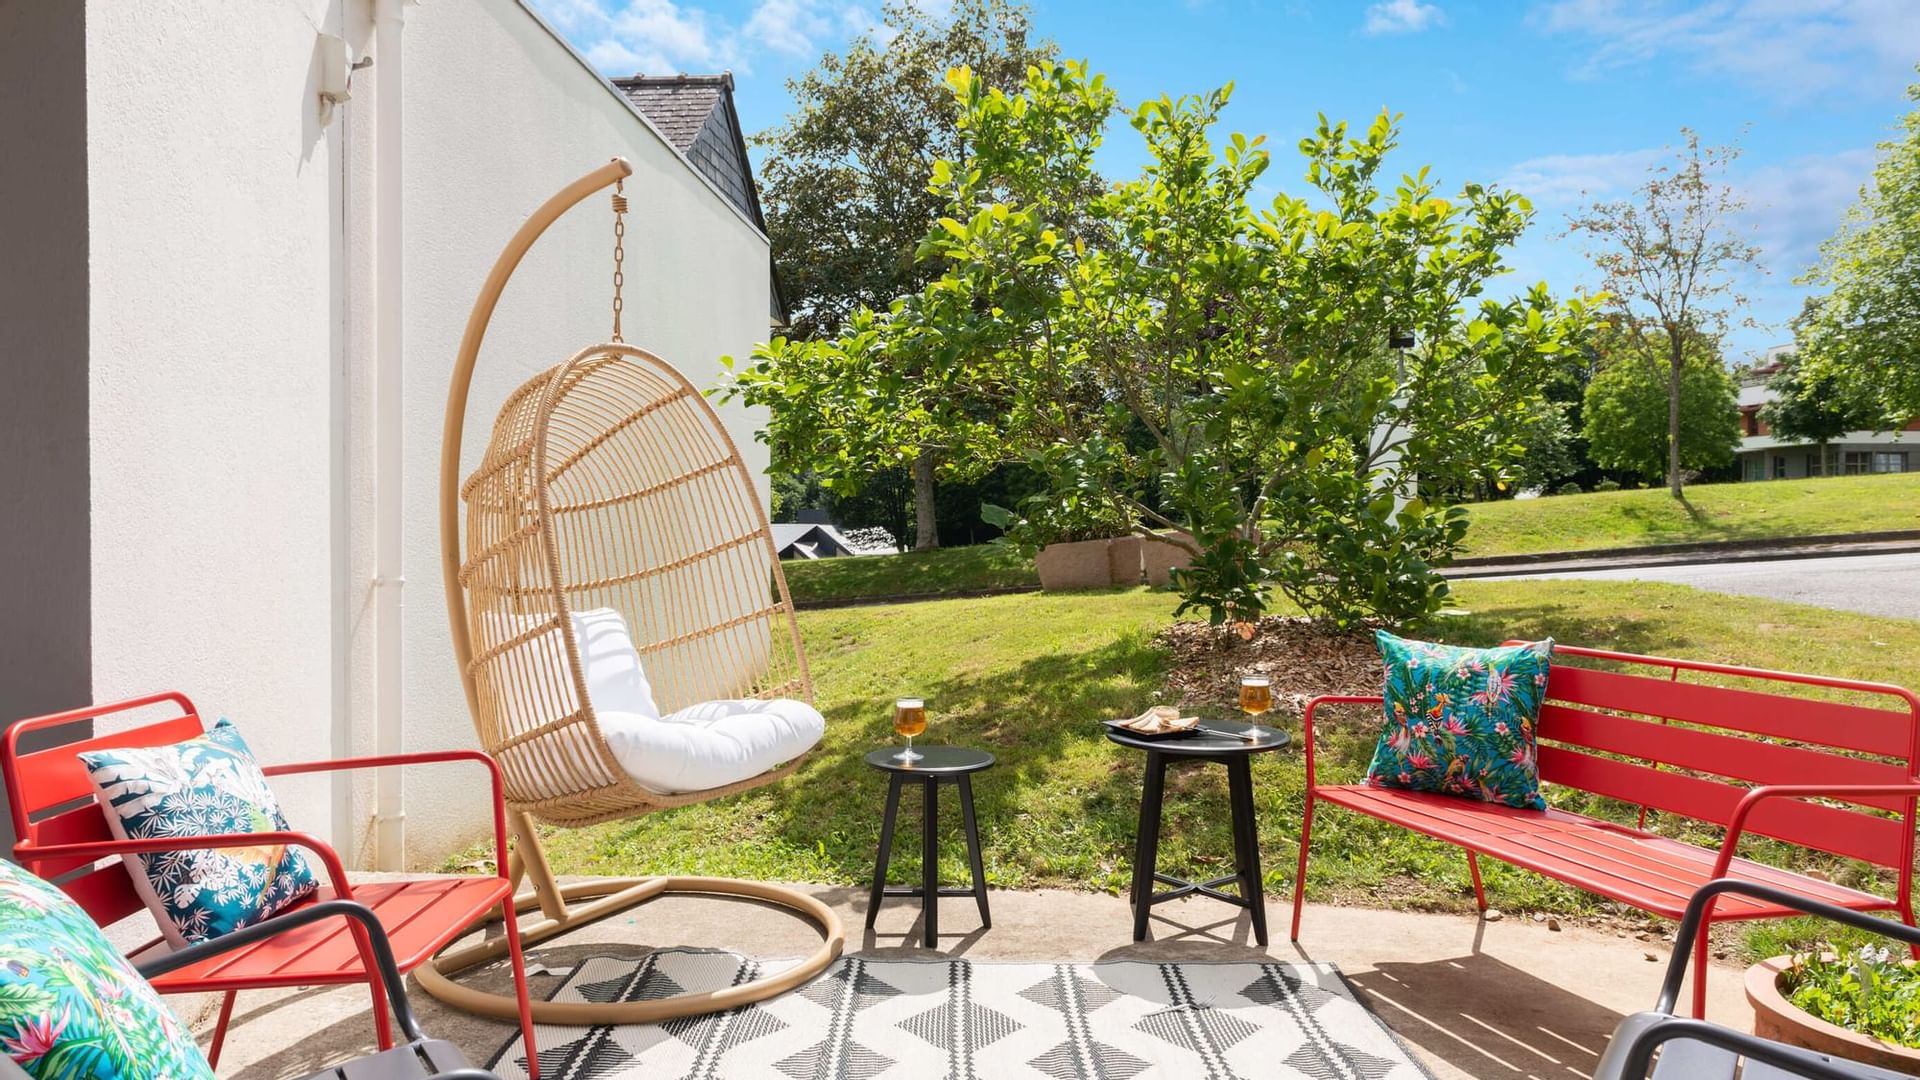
x,y
1842,504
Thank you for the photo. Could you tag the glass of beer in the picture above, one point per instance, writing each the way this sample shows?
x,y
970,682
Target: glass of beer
x,y
1256,698
909,719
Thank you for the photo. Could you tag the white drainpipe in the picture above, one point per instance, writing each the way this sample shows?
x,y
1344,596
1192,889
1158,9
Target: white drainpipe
x,y
389,796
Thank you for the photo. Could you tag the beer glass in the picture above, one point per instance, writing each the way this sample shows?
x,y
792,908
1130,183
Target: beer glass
x,y
909,719
1256,698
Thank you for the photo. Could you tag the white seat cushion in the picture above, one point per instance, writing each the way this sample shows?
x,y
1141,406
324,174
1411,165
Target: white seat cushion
x,y
712,744
610,665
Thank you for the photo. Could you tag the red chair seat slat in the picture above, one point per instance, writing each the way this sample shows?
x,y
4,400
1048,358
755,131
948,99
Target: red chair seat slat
x,y
1651,872
420,916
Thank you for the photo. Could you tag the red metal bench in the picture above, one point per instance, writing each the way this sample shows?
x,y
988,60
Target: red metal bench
x,y
1745,760
62,831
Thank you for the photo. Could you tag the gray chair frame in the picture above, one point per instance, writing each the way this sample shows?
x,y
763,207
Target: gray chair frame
x,y
1697,1050
419,1058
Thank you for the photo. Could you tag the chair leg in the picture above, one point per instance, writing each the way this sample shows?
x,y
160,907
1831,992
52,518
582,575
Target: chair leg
x,y
518,958
1700,969
220,1029
1300,871
1479,890
973,850
886,850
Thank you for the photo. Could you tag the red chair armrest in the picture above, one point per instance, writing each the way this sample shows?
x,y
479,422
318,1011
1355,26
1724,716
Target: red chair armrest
x,y
428,757
101,849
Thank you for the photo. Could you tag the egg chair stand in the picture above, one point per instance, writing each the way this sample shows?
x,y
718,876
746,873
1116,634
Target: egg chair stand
x,y
608,481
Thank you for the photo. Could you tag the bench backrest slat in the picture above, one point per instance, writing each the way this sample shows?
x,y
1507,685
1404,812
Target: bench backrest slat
x,y
1823,723
1695,749
1711,752
1847,833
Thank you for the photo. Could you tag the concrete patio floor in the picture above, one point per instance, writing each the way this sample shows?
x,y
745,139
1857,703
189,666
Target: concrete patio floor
x,y
1473,999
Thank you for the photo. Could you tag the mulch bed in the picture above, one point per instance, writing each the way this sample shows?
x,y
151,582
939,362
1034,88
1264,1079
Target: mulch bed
x,y
1304,659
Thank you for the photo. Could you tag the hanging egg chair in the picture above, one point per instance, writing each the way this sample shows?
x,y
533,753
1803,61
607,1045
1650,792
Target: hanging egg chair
x,y
623,629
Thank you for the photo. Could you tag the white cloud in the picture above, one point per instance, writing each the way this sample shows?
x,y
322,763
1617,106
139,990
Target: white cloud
x,y
1403,17
1571,179
657,37
1793,205
1788,49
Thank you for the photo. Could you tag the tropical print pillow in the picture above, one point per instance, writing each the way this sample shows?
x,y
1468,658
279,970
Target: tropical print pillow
x,y
200,787
1461,721
71,1007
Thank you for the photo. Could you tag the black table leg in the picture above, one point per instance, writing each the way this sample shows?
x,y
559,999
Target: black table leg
x,y
973,851
1246,842
886,850
1146,849
930,867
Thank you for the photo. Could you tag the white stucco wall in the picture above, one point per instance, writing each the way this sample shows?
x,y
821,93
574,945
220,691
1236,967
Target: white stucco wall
x,y
499,115
211,190
232,359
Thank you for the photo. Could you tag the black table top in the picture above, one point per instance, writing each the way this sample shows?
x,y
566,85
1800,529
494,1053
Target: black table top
x,y
1206,744
936,760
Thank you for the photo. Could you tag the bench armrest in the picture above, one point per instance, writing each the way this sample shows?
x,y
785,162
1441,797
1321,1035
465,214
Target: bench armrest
x,y
1737,824
1306,722
1629,1055
101,849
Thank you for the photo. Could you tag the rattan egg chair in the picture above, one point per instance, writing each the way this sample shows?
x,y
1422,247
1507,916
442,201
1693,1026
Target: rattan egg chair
x,y
608,483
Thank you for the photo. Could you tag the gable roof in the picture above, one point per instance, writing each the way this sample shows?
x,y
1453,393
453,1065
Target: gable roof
x,y
696,114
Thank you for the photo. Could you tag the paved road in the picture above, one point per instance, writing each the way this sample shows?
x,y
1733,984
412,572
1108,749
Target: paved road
x,y
1874,584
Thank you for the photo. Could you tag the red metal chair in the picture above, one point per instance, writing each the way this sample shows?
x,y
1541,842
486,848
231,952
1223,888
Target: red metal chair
x,y
63,832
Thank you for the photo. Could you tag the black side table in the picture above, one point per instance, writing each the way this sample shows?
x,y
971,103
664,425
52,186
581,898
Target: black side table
x,y
938,765
1236,754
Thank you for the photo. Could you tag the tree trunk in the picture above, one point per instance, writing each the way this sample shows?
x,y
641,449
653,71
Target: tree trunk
x,y
1673,423
1825,468
926,531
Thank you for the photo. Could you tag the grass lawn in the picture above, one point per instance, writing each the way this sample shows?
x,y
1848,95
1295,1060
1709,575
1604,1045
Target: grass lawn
x,y
1028,675
959,569
1520,526
1840,504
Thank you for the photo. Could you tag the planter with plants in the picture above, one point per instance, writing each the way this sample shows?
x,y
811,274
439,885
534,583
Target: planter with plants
x,y
1863,1005
1077,543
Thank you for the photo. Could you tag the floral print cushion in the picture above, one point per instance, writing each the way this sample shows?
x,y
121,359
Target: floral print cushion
x,y
71,1007
200,787
1461,721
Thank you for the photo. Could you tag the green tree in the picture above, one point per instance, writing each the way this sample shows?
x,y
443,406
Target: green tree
x,y
1668,257
1165,350
844,182
1626,410
1814,404
1866,331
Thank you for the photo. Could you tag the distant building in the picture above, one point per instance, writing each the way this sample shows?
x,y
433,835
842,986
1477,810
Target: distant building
x,y
1766,456
809,540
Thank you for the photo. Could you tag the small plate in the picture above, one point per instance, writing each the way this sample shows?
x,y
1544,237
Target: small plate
x,y
1154,736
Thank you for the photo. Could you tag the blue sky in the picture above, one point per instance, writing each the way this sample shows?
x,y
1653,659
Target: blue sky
x,y
1563,100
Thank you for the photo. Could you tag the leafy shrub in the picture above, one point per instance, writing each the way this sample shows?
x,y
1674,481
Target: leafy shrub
x,y
1607,485
1873,991
1571,487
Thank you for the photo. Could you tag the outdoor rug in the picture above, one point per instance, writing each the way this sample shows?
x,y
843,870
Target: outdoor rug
x,y
959,1019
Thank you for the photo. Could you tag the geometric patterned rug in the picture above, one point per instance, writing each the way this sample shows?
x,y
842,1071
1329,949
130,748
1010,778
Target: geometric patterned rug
x,y
867,1019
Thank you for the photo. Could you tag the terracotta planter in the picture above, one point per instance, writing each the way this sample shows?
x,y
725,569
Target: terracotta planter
x,y
1123,560
1163,558
1082,564
1776,1018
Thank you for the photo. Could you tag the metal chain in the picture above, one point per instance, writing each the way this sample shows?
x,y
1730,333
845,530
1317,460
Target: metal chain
x,y
619,252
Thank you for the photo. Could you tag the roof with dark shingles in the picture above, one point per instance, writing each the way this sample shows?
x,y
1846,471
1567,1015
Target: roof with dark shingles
x,y
696,114
677,104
